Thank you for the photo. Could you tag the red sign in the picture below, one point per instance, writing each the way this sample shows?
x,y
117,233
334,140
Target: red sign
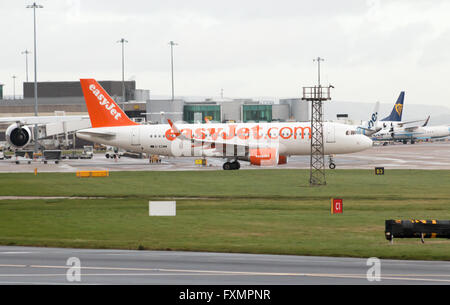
x,y
337,206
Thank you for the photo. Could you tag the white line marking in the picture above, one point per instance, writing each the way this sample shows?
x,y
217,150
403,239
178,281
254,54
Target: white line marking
x,y
351,276
404,277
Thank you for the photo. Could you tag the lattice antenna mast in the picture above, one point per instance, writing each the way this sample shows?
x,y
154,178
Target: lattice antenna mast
x,y
317,95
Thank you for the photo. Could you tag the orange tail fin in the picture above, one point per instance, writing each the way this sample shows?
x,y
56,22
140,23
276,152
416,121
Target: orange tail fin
x,y
103,111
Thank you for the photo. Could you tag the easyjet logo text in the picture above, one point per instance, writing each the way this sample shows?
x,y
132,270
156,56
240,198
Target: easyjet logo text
x,y
103,101
244,133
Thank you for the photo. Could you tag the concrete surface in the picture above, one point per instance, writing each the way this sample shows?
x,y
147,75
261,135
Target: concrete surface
x,y
398,156
27,265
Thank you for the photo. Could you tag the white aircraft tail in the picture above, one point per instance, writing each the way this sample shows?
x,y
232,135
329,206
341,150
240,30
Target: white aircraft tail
x,y
369,127
372,122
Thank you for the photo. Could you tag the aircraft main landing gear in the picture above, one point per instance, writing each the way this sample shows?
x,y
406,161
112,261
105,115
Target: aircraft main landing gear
x,y
331,164
231,165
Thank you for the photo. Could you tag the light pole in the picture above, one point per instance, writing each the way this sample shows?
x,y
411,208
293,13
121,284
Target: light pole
x,y
26,52
171,43
34,6
14,86
318,59
123,41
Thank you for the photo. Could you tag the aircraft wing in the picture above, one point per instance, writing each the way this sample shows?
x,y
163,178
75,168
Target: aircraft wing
x,y
369,131
410,129
31,120
401,124
97,133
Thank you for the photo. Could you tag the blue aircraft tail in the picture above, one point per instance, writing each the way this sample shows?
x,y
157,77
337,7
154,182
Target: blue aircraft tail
x,y
396,114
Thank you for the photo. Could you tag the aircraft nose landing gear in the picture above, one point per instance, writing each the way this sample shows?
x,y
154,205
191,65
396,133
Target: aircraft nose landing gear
x,y
231,165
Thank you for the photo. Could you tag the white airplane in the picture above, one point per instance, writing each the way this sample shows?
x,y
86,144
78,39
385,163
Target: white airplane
x,y
414,133
258,143
373,125
21,131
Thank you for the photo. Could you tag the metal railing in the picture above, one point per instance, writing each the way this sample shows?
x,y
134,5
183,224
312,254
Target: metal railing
x,y
316,93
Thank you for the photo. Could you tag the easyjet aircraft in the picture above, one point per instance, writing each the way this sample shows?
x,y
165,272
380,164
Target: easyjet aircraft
x,y
258,143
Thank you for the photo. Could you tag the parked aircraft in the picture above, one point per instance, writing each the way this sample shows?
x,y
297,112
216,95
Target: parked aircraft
x,y
413,133
258,143
373,125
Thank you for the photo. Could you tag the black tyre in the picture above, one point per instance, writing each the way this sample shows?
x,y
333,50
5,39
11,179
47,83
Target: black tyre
x,y
227,166
332,166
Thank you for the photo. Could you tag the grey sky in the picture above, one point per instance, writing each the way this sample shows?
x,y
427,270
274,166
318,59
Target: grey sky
x,y
372,49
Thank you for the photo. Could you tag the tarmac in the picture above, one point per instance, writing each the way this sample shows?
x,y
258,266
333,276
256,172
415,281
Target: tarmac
x,y
398,156
29,265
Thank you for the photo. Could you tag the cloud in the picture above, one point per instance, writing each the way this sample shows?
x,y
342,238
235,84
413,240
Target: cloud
x,y
436,52
371,48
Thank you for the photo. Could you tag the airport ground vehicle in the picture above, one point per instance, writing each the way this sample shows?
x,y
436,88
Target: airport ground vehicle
x,y
88,151
113,152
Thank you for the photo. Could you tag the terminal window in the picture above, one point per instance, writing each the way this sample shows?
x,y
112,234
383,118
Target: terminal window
x,y
257,113
210,111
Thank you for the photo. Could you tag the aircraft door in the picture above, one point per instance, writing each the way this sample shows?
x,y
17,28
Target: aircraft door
x,y
135,136
330,134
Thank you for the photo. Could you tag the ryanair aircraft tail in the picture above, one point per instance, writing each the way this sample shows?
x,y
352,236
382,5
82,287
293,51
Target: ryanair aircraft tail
x,y
103,111
396,114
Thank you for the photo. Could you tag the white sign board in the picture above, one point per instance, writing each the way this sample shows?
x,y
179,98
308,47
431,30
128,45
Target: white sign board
x,y
162,208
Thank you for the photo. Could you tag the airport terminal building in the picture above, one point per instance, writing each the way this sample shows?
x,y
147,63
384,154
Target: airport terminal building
x,y
236,110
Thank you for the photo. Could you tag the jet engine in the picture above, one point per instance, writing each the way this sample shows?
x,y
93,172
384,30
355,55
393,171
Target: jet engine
x,y
266,157
18,136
